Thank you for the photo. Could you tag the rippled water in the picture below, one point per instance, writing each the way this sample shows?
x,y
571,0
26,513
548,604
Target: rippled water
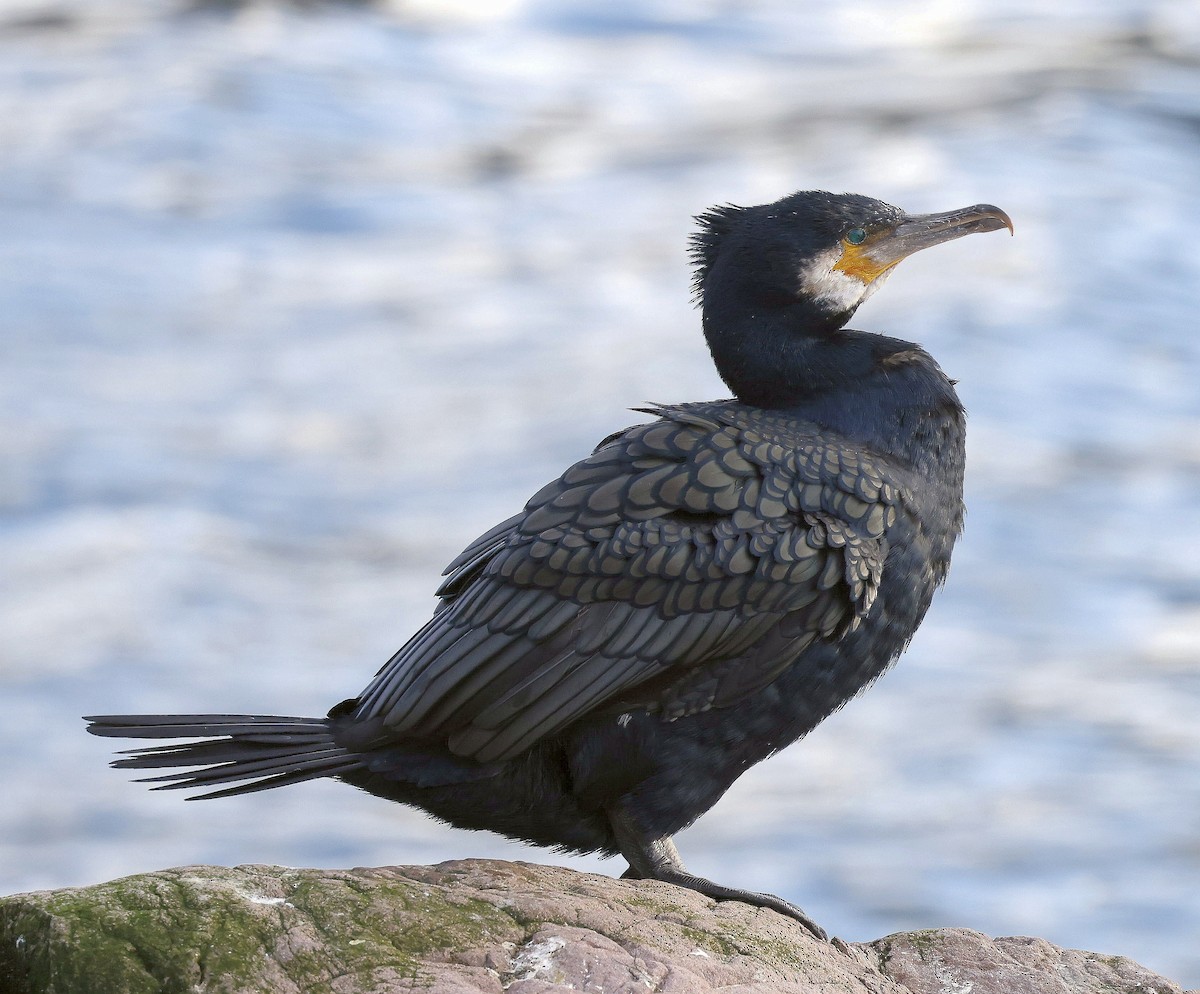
x,y
295,304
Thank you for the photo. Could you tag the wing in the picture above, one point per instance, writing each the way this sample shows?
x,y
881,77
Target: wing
x,y
681,566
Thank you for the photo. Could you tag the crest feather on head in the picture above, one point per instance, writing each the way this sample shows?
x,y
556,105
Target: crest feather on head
x,y
702,245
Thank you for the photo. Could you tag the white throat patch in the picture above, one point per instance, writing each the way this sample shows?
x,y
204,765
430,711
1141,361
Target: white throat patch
x,y
839,290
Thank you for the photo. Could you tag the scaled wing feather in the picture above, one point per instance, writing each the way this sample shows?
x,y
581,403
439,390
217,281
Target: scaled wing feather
x,y
648,575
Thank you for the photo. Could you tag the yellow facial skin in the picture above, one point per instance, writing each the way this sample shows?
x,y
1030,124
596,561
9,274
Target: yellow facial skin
x,y
856,262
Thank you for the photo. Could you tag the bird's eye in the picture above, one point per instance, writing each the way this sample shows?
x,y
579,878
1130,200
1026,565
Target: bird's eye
x,y
856,236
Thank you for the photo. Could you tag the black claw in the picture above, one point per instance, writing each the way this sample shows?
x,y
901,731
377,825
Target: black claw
x,y
775,904
721,893
658,859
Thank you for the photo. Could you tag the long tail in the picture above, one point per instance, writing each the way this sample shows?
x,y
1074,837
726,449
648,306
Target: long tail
x,y
264,750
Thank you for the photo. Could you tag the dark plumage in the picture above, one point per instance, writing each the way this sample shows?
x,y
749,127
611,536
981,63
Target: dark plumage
x,y
698,593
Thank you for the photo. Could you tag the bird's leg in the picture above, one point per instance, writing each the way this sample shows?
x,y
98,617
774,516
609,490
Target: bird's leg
x,y
658,859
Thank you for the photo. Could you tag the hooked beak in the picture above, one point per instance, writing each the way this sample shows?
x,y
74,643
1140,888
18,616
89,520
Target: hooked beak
x,y
884,249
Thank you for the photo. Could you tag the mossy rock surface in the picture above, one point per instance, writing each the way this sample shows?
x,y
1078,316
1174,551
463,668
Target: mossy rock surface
x,y
483,926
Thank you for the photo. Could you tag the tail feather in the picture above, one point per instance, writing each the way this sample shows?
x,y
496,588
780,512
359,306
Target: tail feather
x,y
265,750
193,754
249,727
228,773
242,770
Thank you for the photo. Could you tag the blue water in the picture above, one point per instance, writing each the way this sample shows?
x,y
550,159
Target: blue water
x,y
296,304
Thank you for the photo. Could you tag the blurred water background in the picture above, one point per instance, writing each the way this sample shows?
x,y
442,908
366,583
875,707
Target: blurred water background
x,y
295,300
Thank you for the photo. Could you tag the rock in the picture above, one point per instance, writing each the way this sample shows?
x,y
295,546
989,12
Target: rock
x,y
474,926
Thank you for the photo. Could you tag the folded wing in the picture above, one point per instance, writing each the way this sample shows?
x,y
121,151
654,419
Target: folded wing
x,y
681,566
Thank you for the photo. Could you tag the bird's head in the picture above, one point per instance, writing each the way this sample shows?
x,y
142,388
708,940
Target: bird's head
x,y
830,251
798,269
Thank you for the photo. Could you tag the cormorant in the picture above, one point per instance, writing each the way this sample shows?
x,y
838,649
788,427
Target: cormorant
x,y
695,595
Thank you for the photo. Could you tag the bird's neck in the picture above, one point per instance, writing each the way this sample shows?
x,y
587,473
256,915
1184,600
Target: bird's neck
x,y
779,357
884,393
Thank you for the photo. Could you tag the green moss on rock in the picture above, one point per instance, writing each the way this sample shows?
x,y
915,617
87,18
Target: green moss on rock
x,y
923,940
177,931
147,933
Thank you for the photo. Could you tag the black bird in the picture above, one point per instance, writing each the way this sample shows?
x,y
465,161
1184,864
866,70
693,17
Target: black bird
x,y
696,594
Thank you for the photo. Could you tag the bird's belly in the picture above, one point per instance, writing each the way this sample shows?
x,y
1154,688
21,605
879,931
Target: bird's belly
x,y
671,772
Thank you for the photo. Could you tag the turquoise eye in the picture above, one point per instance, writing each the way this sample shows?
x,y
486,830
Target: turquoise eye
x,y
856,236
